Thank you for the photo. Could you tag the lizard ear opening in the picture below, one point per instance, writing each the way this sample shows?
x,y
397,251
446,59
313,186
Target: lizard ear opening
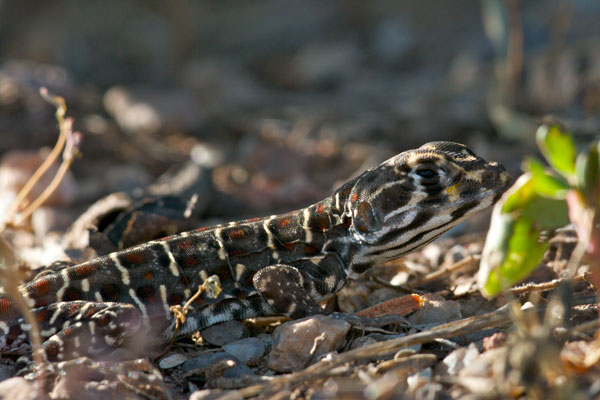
x,y
365,220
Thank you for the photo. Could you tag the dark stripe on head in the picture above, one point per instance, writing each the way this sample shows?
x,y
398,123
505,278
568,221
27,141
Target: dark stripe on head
x,y
420,220
459,213
405,245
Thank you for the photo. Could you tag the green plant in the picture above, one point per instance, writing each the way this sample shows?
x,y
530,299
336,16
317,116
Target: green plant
x,y
543,199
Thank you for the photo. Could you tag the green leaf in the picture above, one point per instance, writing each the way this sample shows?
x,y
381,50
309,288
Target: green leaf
x,y
513,248
518,194
511,256
587,170
523,200
544,183
558,148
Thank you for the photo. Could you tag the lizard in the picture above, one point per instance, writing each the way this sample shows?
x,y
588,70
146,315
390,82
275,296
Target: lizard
x,y
279,264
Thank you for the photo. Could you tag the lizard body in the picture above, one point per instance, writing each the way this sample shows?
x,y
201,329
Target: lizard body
x,y
282,264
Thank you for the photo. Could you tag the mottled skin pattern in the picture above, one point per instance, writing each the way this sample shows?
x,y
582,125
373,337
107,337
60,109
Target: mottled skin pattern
x,y
282,264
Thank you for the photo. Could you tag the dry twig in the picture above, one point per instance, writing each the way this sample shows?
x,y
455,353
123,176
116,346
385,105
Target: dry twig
x,y
68,140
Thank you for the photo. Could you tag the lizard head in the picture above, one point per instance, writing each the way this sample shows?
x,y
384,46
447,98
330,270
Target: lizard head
x,y
414,197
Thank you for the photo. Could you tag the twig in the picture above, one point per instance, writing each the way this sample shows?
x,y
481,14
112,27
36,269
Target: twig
x,y
68,140
538,287
61,109
9,277
71,146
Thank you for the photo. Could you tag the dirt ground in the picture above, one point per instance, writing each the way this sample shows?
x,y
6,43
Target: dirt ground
x,y
249,109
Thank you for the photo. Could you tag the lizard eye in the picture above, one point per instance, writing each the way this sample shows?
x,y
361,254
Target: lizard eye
x,y
426,173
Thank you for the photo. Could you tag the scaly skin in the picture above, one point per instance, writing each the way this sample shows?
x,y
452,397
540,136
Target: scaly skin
x,y
282,264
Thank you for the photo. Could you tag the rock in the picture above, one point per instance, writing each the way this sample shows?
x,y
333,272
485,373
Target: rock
x,y
435,311
172,361
6,371
17,389
267,340
297,343
223,333
362,341
494,341
248,350
214,365
457,360
207,394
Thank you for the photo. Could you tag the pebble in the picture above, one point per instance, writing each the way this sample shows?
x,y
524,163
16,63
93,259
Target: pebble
x,y
17,389
172,361
207,394
6,371
294,342
457,360
248,350
435,310
204,363
224,333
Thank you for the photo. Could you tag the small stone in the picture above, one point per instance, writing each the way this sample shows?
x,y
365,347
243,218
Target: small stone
x,y
494,341
207,365
362,341
207,394
435,310
297,343
172,361
17,389
267,340
224,333
248,350
457,360
419,379
6,371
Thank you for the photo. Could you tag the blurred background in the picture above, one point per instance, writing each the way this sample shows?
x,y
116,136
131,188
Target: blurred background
x,y
272,103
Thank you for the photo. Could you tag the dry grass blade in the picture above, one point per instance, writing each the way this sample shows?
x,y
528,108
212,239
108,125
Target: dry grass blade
x,y
9,278
543,286
9,274
67,140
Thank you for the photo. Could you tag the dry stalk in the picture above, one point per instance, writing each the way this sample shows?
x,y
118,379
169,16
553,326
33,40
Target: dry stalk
x,y
9,273
68,140
543,286
9,278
